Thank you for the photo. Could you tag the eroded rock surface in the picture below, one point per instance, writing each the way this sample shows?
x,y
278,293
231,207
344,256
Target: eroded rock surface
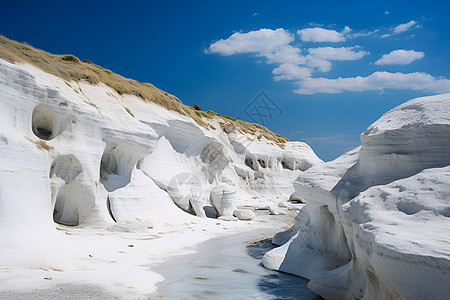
x,y
376,220
82,155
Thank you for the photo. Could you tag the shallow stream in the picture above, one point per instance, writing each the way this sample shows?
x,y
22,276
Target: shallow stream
x,y
228,268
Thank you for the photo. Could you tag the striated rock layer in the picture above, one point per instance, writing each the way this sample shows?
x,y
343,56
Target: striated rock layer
x,y
377,220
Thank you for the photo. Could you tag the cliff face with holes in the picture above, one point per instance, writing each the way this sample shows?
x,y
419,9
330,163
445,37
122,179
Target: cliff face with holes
x,y
377,220
81,154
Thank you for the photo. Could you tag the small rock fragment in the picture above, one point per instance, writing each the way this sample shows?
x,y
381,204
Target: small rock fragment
x,y
239,271
296,198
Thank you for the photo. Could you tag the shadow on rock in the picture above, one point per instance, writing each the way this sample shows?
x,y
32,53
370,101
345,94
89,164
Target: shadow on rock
x,y
285,286
280,285
259,248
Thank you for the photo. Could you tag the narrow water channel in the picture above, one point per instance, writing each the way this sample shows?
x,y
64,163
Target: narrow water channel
x,y
228,268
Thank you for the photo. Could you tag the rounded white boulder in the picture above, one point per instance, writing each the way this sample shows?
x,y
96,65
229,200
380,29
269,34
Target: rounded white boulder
x,y
244,214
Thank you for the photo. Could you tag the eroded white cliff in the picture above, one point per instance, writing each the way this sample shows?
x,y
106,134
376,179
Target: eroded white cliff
x,y
376,221
83,155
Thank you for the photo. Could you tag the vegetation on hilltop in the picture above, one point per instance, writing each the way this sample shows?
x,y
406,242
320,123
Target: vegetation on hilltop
x,y
70,68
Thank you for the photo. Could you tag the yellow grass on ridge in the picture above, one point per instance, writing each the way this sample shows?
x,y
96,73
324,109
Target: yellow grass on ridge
x,y
69,67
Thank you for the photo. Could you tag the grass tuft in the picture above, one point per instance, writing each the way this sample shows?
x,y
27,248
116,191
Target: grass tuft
x,y
70,58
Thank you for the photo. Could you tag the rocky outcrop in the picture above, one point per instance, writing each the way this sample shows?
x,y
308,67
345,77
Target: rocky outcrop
x,y
223,199
376,219
82,155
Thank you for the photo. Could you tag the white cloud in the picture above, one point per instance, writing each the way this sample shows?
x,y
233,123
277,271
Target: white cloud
x,y
315,24
376,81
271,44
293,63
400,57
319,58
386,12
318,34
320,64
361,33
261,42
402,28
286,55
342,53
290,72
346,30
275,45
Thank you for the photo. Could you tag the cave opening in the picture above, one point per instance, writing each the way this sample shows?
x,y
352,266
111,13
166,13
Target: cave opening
x,y
65,211
46,123
249,162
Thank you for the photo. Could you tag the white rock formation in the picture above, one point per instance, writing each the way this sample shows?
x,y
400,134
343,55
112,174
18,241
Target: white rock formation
x,y
223,199
376,220
83,155
244,214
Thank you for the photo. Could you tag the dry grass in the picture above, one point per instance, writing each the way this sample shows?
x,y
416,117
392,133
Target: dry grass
x,y
245,127
69,67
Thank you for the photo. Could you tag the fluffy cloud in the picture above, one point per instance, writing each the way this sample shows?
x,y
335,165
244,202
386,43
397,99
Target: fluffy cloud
x,y
319,58
400,57
261,42
319,64
293,63
318,34
286,55
290,72
275,45
346,30
376,81
271,44
401,28
342,53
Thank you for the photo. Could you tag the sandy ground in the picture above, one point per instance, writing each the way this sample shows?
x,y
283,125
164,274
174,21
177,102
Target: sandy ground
x,y
99,264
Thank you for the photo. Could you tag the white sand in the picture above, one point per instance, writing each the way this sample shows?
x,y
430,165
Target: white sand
x,y
101,264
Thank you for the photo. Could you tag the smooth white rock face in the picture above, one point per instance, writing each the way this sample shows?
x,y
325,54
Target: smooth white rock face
x,y
72,154
223,199
376,221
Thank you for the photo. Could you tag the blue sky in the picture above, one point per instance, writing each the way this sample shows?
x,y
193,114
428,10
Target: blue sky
x,y
221,55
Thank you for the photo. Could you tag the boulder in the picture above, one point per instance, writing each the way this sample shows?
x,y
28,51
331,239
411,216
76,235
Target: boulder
x,y
223,199
244,214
